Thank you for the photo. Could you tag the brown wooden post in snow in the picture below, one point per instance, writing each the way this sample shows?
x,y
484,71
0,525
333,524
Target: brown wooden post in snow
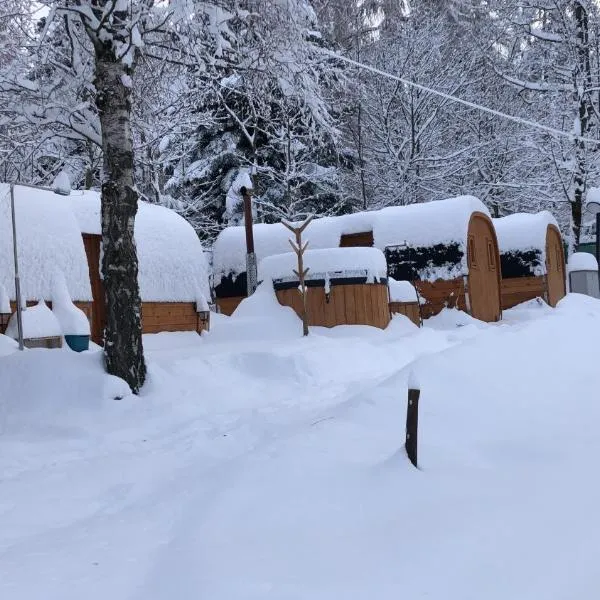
x,y
251,267
412,425
301,272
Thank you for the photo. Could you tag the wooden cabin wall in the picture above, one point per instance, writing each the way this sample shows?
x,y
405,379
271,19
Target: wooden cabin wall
x,y
412,310
351,304
441,294
364,239
516,290
228,305
170,316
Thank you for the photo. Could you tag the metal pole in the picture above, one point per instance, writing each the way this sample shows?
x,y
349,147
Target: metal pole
x,y
251,267
17,280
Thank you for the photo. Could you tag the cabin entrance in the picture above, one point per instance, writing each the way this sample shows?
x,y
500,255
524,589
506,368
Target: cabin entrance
x,y
555,266
484,274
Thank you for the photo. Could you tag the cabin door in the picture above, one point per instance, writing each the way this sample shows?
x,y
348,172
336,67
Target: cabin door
x,y
484,277
555,267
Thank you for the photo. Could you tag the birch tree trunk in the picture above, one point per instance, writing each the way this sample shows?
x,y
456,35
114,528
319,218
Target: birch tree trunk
x,y
123,349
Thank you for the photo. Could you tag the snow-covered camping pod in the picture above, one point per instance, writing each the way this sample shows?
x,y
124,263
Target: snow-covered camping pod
x,y
173,271
49,248
532,258
446,248
344,286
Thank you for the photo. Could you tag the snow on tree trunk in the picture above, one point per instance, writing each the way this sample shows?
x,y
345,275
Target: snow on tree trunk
x,y
123,349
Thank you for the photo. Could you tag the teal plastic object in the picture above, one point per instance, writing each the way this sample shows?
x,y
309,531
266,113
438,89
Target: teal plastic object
x,y
78,343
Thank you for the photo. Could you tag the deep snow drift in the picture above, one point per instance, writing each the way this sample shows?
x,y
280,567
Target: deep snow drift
x,y
257,464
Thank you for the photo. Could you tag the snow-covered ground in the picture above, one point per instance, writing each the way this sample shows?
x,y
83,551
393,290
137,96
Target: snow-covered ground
x,y
260,465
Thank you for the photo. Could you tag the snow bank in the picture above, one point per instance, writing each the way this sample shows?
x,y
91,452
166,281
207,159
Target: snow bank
x,y
48,238
38,322
582,261
73,320
55,393
326,264
524,231
172,265
427,224
7,345
402,291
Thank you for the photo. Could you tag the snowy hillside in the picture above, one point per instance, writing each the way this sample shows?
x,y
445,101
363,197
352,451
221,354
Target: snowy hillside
x,y
258,464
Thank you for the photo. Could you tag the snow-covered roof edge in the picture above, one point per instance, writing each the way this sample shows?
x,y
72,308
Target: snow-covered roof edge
x,y
524,231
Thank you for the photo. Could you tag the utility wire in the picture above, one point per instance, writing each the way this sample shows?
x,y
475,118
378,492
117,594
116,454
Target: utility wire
x,y
486,109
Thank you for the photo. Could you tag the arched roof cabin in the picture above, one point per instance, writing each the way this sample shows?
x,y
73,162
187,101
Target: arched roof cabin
x,y
532,258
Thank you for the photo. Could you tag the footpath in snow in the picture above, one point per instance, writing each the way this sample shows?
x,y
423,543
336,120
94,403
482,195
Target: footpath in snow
x,y
257,464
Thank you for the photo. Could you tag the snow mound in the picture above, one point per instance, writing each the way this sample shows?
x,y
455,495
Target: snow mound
x,y
402,291
7,345
54,393
450,318
62,184
38,322
582,261
73,320
324,264
48,238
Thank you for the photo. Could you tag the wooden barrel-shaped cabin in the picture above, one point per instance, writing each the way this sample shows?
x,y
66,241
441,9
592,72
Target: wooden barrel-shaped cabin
x,y
532,258
49,246
344,286
446,248
172,267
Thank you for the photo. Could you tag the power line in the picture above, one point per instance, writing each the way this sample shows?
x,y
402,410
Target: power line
x,y
474,105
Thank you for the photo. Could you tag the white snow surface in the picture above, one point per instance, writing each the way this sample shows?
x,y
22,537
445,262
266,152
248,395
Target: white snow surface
x,y
38,322
172,264
582,261
525,231
427,224
341,262
402,291
4,301
72,320
258,464
48,239
62,183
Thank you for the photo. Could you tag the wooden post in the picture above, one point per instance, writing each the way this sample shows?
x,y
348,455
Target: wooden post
x,y
301,272
412,425
251,267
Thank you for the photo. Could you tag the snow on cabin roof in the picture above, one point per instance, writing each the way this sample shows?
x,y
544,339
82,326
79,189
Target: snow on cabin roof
x,y
49,241
172,264
326,263
427,224
524,231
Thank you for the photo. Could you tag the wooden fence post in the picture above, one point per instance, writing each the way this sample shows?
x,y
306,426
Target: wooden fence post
x,y
412,425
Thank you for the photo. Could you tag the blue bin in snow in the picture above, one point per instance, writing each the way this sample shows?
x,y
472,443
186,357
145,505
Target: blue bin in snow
x,y
78,343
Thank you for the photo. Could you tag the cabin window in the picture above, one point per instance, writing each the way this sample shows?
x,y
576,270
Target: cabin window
x,y
491,255
472,253
558,259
